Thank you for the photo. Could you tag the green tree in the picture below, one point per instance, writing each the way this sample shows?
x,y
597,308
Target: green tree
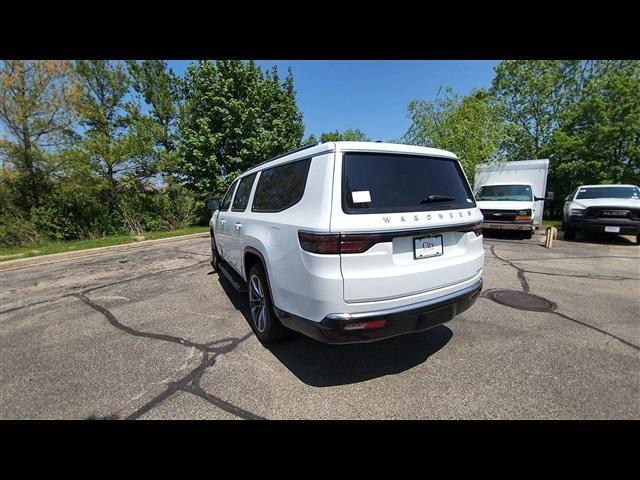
x,y
34,107
235,116
599,137
533,95
349,135
564,111
112,146
469,126
310,139
159,88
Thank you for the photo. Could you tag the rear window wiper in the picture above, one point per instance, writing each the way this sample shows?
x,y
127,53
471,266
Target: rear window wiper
x,y
437,198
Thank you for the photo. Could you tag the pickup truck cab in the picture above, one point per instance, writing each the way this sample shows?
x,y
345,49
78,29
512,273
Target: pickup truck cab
x,y
611,209
351,241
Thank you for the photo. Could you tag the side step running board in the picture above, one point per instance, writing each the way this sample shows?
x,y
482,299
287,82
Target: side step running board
x,y
234,279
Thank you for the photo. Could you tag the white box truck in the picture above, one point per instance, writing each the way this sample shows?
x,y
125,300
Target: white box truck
x,y
511,195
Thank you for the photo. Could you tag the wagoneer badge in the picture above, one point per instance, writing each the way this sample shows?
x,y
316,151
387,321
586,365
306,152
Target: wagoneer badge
x,y
417,218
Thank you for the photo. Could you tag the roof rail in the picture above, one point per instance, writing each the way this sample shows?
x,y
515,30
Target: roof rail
x,y
303,147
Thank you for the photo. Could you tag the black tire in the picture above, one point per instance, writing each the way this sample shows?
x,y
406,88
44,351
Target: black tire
x,y
638,239
569,233
527,235
215,256
267,328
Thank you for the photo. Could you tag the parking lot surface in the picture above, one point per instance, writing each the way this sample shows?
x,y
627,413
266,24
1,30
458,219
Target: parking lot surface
x,y
153,333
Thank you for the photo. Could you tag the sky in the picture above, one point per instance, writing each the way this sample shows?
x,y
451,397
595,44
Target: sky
x,y
370,95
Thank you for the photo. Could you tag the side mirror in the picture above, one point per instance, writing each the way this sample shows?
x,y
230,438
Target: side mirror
x,y
213,204
550,196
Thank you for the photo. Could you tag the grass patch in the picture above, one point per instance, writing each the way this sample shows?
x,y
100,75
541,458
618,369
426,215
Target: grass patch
x,y
14,253
551,223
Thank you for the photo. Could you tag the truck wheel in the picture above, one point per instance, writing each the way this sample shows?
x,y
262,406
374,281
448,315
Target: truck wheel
x,y
527,235
569,233
215,258
638,239
264,322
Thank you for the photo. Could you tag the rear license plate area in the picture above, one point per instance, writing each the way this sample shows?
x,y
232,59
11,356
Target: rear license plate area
x,y
429,246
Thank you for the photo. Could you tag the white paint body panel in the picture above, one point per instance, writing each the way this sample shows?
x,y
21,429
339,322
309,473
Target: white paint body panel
x,y
386,276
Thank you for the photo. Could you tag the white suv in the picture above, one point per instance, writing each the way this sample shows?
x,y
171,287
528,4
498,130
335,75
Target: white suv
x,y
351,241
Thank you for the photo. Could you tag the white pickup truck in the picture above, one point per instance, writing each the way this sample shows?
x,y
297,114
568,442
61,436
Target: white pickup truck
x,y
613,209
511,195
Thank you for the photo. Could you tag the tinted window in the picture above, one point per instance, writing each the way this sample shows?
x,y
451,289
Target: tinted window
x,y
515,193
227,198
378,183
241,199
608,192
281,187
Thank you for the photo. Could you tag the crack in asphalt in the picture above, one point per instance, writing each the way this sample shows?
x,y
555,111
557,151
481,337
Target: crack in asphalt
x,y
91,289
567,317
525,286
523,280
190,382
522,271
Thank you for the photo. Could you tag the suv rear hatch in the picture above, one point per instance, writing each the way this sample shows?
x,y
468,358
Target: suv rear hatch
x,y
408,225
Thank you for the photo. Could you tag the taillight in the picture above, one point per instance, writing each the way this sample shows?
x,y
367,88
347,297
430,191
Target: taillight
x,y
358,243
337,243
320,242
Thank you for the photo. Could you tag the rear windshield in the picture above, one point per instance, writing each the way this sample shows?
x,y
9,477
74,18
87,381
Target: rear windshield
x,y
380,183
608,192
506,193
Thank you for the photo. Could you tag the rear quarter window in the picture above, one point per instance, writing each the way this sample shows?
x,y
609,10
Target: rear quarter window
x,y
385,183
241,200
281,187
226,201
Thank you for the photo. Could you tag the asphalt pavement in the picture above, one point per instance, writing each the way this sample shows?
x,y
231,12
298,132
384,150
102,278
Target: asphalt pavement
x,y
153,333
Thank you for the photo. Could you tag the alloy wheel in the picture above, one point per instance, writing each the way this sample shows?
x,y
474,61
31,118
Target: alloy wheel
x,y
257,303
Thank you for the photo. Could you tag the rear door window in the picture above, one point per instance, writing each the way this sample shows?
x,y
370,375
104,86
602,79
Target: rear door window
x,y
241,200
281,187
382,183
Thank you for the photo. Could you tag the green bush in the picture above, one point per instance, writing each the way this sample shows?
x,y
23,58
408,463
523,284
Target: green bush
x,y
152,209
16,231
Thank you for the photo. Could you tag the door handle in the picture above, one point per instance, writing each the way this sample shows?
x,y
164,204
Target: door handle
x,y
238,225
222,220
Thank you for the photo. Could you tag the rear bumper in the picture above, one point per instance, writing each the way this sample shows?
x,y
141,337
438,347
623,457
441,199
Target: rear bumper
x,y
627,226
524,227
417,317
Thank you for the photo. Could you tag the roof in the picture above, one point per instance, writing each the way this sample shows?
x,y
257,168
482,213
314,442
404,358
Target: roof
x,y
516,165
321,148
505,183
610,185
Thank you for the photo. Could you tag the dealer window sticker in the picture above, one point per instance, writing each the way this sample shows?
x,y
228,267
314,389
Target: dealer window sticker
x,y
361,196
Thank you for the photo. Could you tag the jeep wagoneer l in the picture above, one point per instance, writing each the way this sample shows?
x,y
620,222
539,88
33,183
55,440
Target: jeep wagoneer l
x,y
351,241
